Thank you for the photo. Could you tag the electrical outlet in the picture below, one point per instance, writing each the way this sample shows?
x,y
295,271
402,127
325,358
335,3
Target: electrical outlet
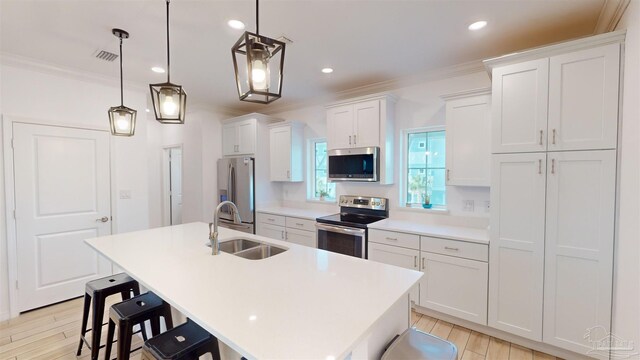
x,y
125,194
468,205
487,206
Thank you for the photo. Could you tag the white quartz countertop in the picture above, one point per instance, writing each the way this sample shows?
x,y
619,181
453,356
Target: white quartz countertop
x,y
441,231
304,303
296,212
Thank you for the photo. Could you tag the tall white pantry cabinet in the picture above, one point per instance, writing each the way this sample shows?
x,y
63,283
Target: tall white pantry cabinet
x,y
553,191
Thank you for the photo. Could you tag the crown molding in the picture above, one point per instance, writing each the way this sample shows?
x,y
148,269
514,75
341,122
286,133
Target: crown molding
x,y
610,15
466,93
7,59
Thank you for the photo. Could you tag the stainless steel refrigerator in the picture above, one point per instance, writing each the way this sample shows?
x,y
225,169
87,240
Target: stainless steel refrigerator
x,y
236,184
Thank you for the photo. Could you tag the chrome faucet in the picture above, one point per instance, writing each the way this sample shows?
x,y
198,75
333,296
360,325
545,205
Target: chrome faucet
x,y
213,227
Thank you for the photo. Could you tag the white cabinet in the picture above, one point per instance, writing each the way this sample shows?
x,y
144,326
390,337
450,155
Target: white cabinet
x,y
287,228
517,243
364,122
454,286
285,152
579,246
398,256
583,99
519,111
468,124
239,138
562,102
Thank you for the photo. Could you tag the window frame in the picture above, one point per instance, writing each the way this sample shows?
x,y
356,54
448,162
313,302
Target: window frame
x,y
311,171
404,156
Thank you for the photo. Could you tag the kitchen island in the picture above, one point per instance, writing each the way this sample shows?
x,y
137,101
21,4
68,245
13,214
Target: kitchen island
x,y
304,303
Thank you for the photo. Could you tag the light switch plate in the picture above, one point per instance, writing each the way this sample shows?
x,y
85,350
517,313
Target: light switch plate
x,y
125,194
468,205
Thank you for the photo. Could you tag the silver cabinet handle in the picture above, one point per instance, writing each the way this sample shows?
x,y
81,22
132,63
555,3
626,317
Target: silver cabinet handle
x,y
540,137
349,139
288,174
354,139
392,239
415,261
539,166
553,137
299,224
448,171
103,219
553,166
451,248
282,236
423,267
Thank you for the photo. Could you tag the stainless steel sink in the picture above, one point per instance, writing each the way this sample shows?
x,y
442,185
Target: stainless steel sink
x,y
262,251
249,249
236,245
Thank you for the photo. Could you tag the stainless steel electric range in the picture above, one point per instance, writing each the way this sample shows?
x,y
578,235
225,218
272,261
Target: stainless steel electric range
x,y
346,232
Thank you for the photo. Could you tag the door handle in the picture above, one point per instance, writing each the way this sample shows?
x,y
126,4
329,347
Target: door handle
x,y
540,137
539,166
103,219
553,137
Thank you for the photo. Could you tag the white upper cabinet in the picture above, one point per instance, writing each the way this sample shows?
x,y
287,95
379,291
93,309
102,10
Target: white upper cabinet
x,y
364,122
519,95
579,246
516,253
239,137
285,152
468,124
583,99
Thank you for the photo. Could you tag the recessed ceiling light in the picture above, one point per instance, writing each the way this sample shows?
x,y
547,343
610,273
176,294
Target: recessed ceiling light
x,y
157,69
327,70
477,25
236,24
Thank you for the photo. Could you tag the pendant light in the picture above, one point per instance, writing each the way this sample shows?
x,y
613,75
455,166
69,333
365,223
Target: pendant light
x,y
122,118
169,100
258,62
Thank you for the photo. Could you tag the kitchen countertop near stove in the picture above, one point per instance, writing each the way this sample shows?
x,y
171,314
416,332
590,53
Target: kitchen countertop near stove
x,y
469,234
296,212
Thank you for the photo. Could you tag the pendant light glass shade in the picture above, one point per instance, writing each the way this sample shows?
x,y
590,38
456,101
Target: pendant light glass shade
x,y
169,100
258,63
121,118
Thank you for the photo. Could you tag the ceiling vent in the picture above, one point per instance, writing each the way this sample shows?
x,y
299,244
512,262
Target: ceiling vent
x,y
105,55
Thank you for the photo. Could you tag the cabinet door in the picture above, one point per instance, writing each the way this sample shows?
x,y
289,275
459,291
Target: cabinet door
x,y
583,99
271,231
229,139
340,127
519,107
302,237
455,286
366,117
468,141
246,137
579,246
398,256
516,250
280,153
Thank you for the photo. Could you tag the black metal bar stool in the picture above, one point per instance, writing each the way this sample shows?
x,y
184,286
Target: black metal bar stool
x,y
132,312
96,292
184,342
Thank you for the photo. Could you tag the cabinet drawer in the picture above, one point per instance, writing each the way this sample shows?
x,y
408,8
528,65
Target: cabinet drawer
x,y
456,248
271,219
302,224
301,237
272,231
394,238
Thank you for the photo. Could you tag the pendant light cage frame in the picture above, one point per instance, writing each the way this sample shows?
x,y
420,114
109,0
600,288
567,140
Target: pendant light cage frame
x,y
168,112
248,50
122,119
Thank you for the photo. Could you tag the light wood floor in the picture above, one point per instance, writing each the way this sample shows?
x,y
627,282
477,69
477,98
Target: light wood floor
x,y
473,345
53,333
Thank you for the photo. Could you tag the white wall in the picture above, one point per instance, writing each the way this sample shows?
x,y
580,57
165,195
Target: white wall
x,y
53,97
626,315
417,106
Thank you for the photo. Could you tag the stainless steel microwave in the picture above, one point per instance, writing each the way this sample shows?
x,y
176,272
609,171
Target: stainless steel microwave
x,y
354,164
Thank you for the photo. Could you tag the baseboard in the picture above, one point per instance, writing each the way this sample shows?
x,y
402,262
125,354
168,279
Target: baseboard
x,y
5,316
502,335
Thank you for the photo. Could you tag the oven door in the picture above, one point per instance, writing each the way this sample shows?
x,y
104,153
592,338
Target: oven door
x,y
341,239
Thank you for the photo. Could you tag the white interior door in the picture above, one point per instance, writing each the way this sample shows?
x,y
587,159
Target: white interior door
x,y
62,195
175,180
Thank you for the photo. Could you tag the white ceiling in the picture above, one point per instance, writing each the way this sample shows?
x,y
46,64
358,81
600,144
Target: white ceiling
x,y
364,41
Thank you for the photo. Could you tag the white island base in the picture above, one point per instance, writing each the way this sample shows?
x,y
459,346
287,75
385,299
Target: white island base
x,y
304,303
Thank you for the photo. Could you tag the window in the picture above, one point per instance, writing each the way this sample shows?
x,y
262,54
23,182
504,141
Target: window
x,y
320,187
426,169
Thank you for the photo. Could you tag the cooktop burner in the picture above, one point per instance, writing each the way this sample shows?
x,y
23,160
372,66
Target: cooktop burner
x,y
358,211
